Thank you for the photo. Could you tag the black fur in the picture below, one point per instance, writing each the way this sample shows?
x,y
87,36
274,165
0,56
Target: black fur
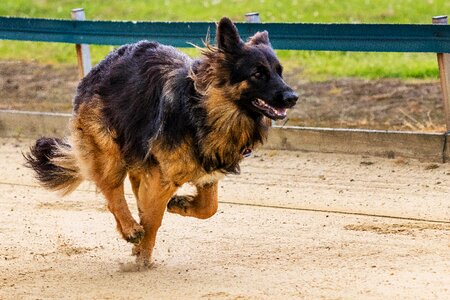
x,y
228,39
131,81
49,174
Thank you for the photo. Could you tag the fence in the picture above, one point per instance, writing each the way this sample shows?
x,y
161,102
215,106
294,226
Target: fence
x,y
331,37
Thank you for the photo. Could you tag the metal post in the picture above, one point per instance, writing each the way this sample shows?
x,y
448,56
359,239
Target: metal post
x,y
83,54
252,17
444,73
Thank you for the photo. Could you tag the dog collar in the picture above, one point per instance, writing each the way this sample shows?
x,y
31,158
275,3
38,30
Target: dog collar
x,y
247,152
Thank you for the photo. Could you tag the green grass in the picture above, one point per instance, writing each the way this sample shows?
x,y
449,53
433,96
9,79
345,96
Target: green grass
x,y
310,64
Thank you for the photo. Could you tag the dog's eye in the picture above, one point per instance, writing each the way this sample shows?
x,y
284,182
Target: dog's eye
x,y
258,75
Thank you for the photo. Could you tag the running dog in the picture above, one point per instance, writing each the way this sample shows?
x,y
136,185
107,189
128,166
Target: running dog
x,y
151,112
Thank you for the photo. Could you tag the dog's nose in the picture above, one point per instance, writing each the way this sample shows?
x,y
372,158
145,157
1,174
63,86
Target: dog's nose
x,y
290,97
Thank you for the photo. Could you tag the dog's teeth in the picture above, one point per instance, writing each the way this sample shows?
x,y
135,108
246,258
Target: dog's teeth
x,y
281,111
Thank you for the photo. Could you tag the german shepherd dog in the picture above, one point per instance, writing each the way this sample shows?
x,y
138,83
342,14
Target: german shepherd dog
x,y
164,119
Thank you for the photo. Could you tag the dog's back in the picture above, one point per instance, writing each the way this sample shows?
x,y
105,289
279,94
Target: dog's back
x,y
140,86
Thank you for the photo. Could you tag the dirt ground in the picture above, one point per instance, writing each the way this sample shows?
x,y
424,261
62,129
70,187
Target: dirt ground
x,y
292,226
349,103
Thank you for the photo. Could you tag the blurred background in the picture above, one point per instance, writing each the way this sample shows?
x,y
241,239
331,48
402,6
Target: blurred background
x,y
396,91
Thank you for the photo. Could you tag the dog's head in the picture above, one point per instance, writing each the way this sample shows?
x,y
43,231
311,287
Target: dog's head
x,y
255,69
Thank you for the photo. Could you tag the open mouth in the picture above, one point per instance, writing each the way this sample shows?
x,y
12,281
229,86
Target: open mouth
x,y
269,111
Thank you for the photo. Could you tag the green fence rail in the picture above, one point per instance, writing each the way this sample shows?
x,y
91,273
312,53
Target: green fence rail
x,y
333,37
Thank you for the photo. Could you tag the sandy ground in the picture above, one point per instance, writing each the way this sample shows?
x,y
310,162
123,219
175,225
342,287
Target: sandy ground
x,y
292,225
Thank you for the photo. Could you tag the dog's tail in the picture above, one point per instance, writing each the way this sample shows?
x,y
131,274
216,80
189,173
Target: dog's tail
x,y
55,165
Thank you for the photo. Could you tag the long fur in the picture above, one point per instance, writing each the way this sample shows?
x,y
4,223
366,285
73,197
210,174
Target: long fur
x,y
55,165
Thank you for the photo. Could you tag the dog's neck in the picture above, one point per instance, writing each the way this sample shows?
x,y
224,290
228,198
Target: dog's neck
x,y
229,131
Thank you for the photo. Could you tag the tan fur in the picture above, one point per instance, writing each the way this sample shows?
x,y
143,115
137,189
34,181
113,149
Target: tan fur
x,y
153,193
93,140
231,129
101,161
202,206
177,165
209,178
67,160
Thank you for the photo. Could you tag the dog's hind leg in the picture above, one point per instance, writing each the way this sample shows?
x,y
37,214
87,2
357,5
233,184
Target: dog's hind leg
x,y
131,231
202,206
101,160
109,173
153,195
135,180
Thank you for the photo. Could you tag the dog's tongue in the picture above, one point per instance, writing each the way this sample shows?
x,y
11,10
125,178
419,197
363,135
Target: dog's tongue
x,y
280,111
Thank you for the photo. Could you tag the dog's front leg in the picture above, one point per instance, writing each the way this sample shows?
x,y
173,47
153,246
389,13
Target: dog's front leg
x,y
202,206
153,195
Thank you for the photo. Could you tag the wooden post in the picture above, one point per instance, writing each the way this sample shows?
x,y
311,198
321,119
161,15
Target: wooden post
x,y
83,54
444,73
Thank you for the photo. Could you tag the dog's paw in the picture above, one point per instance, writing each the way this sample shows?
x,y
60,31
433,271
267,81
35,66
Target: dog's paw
x,y
135,234
179,204
144,259
136,250
136,266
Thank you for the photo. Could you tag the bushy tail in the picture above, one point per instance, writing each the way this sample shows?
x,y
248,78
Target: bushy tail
x,y
55,165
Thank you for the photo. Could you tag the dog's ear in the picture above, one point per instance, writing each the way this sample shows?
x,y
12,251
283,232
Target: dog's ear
x,y
260,38
227,36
